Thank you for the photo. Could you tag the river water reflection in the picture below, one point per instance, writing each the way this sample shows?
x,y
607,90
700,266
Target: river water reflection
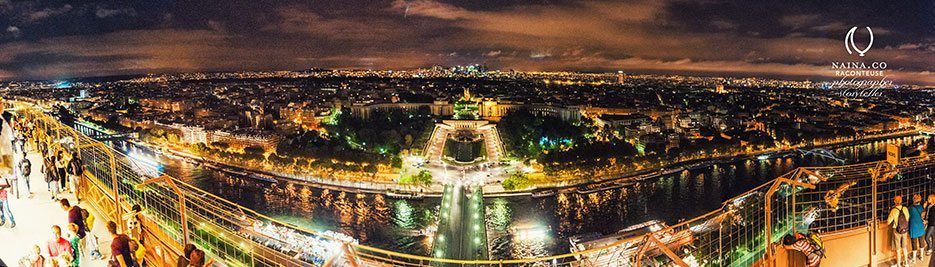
x,y
518,227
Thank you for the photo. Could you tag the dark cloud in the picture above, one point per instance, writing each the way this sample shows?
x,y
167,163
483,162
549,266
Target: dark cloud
x,y
39,63
710,37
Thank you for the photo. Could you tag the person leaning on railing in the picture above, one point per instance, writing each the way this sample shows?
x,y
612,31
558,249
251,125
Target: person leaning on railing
x,y
930,220
134,221
805,244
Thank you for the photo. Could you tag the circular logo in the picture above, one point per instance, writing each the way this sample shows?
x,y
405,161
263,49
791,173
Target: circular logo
x,y
849,42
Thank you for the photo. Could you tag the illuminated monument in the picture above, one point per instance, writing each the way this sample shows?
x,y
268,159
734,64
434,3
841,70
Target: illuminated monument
x,y
465,139
467,107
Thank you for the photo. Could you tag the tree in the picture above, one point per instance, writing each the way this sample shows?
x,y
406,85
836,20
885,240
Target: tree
x,y
516,181
378,139
397,162
424,177
370,168
172,138
199,149
220,145
254,150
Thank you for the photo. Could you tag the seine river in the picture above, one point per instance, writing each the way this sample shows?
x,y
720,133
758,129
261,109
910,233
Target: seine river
x,y
518,227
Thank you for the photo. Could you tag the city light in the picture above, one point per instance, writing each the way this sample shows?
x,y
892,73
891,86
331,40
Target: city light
x,y
530,232
444,133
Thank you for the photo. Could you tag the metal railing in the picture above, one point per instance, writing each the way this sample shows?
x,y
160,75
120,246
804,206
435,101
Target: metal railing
x,y
741,233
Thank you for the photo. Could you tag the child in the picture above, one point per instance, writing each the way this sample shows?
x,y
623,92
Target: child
x,y
34,259
74,240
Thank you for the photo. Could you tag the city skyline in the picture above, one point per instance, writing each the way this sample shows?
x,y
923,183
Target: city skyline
x,y
435,133
55,40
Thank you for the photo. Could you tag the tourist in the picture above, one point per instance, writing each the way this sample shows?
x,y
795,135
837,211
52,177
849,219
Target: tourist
x,y
6,152
51,176
14,180
60,252
916,227
119,248
75,170
5,204
183,260
24,169
34,259
930,219
75,241
61,163
76,215
138,251
19,140
899,221
91,243
37,143
134,221
197,258
799,242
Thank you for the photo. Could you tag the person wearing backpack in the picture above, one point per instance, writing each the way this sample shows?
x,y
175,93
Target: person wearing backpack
x,y
75,170
899,221
807,244
916,228
119,248
77,217
51,176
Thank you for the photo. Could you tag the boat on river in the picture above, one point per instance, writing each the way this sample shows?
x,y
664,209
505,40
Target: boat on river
x,y
262,177
543,193
402,195
665,172
594,188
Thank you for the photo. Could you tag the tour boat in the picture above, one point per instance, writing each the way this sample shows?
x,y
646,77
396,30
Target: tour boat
x,y
543,193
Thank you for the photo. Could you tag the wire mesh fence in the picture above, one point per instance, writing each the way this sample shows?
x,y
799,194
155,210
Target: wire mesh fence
x,y
741,233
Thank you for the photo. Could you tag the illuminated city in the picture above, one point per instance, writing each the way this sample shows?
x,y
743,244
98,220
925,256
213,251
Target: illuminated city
x,y
442,133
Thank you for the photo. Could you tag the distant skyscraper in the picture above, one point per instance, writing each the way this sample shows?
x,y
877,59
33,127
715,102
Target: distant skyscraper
x,y
720,89
621,77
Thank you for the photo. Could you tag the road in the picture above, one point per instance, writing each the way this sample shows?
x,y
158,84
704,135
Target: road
x,y
462,232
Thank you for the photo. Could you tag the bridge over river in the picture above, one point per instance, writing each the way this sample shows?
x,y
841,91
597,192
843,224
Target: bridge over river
x,y
462,232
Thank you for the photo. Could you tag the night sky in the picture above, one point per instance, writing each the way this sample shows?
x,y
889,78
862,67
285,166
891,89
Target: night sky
x,y
59,39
